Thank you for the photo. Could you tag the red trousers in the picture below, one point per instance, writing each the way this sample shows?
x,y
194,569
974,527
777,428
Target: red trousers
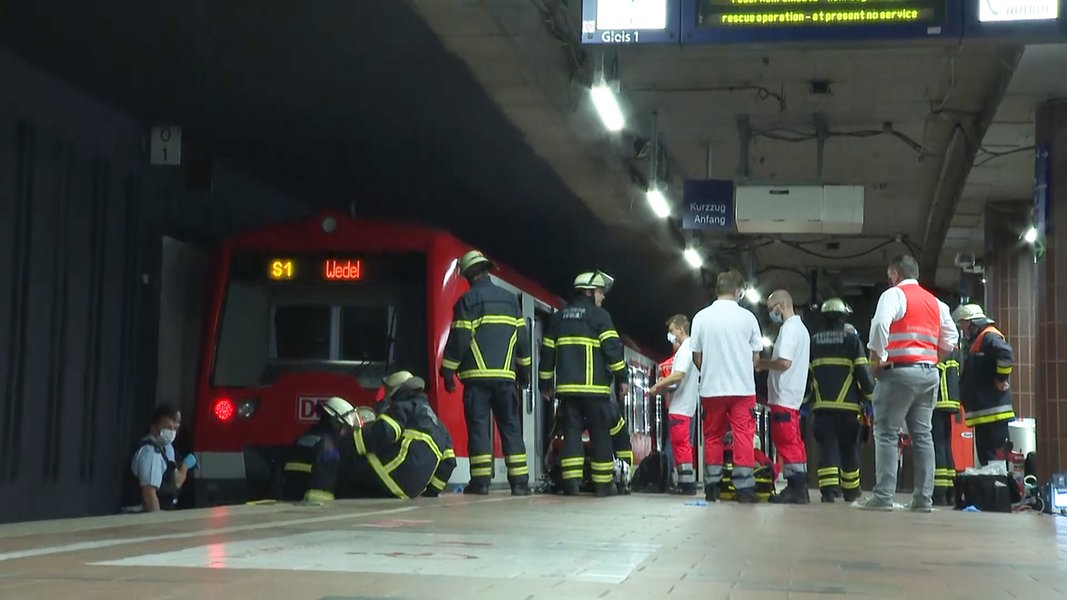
x,y
788,441
739,412
681,441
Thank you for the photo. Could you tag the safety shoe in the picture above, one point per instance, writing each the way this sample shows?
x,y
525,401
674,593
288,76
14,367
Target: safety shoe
x,y
570,488
520,489
828,496
794,493
430,493
687,489
872,503
477,488
603,490
851,495
919,508
711,492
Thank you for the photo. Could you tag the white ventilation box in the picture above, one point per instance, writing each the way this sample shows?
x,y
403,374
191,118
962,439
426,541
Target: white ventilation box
x,y
826,209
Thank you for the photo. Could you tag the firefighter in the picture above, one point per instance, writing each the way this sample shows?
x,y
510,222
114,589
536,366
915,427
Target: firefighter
x,y
487,349
407,448
948,405
582,350
984,387
841,384
314,459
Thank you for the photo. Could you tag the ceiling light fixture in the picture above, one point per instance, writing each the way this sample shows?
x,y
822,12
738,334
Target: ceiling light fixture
x,y
693,258
607,106
658,202
753,295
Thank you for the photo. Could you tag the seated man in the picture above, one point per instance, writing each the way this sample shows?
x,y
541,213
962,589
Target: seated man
x,y
406,428
337,419
154,479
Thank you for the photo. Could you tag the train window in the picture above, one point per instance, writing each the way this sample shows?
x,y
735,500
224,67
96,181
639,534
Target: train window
x,y
302,332
364,333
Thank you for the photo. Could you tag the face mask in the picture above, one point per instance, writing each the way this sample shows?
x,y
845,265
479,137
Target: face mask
x,y
776,316
672,338
167,436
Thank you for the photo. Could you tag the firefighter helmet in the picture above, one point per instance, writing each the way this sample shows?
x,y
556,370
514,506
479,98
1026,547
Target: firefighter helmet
x,y
472,259
401,380
365,414
836,305
592,280
968,312
340,410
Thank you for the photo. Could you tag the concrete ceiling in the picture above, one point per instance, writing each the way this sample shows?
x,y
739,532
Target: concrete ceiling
x,y
921,193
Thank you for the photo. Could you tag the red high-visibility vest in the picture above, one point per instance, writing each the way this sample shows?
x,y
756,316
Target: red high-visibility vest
x,y
913,339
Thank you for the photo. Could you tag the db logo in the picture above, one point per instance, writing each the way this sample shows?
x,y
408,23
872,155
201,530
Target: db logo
x,y
306,407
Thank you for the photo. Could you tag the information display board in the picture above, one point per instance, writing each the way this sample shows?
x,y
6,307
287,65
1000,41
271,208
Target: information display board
x,y
630,21
1023,21
754,21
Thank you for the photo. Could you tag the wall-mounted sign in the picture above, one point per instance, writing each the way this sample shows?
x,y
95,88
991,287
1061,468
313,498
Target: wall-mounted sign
x,y
1012,11
708,204
629,21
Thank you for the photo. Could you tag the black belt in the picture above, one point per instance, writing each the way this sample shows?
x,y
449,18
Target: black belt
x,y
890,366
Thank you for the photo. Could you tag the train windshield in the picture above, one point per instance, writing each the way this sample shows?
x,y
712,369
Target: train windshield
x,y
357,314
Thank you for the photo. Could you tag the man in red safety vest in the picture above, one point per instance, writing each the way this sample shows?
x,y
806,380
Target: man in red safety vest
x,y
910,332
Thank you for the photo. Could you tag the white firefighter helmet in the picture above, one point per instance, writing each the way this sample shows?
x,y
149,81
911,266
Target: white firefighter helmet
x,y
340,410
592,280
968,312
365,415
401,379
472,259
836,305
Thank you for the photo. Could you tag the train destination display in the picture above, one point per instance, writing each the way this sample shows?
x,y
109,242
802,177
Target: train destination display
x,y
778,14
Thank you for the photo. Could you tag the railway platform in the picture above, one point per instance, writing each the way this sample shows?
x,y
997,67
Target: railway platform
x,y
640,546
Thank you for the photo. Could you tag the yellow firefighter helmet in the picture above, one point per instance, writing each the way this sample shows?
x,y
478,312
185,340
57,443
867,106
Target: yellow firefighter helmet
x,y
402,380
836,305
340,410
968,312
472,259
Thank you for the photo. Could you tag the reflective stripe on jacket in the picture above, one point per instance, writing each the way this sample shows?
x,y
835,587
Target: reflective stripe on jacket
x,y
989,361
840,372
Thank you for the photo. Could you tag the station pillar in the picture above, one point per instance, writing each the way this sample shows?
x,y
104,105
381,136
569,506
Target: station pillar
x,y
1050,347
1009,292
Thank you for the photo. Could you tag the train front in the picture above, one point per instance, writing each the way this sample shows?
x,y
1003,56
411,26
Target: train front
x,y
297,316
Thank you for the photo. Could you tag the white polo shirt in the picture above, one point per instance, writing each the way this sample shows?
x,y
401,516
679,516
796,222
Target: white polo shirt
x,y
726,335
786,388
684,398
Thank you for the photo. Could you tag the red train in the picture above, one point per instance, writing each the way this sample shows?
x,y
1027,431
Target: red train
x,y
302,311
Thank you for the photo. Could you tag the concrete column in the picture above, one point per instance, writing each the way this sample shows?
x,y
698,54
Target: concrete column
x,y
1050,398
1009,292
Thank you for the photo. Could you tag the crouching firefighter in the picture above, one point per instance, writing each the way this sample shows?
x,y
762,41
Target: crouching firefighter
x,y
841,384
405,450
318,447
583,352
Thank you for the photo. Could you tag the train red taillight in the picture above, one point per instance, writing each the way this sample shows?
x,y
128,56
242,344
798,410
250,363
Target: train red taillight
x,y
223,409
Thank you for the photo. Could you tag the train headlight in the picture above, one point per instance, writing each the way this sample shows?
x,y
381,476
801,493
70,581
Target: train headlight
x,y
247,408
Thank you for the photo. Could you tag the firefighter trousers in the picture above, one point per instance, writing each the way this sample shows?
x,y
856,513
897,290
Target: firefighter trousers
x,y
944,464
501,398
620,436
593,414
990,438
838,434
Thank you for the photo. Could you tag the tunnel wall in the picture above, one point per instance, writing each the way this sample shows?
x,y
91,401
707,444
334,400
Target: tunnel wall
x,y
82,219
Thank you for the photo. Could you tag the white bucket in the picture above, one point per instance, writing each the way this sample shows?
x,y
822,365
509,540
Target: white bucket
x,y
1023,434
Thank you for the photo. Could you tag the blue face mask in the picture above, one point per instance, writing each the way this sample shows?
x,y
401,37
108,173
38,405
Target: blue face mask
x,y
672,338
776,317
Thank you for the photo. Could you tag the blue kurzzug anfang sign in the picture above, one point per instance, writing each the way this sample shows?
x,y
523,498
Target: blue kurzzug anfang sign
x,y
708,204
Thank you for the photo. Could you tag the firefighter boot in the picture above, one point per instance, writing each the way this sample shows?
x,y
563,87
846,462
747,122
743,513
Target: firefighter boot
x,y
570,487
796,491
851,495
603,490
829,495
481,489
520,489
711,492
747,496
